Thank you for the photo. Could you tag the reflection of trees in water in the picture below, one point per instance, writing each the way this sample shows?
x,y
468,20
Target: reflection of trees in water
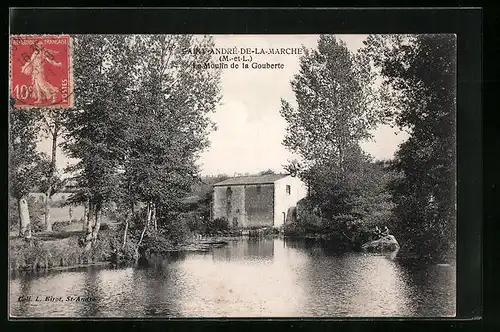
x,y
24,291
160,261
91,289
432,287
247,248
314,247
155,284
343,283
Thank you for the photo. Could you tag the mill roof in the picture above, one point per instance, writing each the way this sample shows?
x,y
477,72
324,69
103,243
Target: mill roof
x,y
257,179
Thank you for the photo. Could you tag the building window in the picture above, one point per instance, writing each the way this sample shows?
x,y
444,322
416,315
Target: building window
x,y
258,189
288,189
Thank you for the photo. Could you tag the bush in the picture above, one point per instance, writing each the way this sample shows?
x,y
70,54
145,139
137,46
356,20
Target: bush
x,y
196,223
193,220
174,228
111,211
157,243
58,226
104,227
110,246
307,217
13,214
218,225
340,223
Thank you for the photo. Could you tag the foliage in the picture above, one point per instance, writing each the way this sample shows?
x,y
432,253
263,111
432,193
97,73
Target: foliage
x,y
193,220
419,75
13,216
217,225
25,163
174,229
340,199
308,224
335,103
141,147
60,225
336,109
96,128
170,105
157,244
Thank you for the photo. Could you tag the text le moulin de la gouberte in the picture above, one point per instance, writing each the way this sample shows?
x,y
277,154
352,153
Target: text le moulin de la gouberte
x,y
244,58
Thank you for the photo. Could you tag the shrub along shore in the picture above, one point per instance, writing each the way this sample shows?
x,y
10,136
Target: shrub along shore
x,y
61,250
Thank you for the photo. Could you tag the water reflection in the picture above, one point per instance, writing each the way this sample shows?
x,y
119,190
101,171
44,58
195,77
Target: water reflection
x,y
247,278
431,287
250,248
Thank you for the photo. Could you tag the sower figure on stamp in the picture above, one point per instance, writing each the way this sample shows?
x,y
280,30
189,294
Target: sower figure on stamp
x,y
34,67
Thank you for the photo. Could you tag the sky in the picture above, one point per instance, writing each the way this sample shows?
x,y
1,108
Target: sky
x,y
250,128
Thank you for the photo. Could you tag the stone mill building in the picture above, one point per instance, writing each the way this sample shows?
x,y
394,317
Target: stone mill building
x,y
258,201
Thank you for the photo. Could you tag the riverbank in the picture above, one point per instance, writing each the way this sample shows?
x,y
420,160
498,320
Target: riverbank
x,y
58,250
61,250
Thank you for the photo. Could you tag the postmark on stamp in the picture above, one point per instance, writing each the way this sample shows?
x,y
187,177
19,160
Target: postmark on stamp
x,y
41,73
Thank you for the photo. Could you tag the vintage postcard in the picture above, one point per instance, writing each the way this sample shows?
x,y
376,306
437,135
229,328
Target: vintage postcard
x,y
197,176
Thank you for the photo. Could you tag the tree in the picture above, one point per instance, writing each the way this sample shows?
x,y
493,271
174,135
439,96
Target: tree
x,y
170,107
141,119
97,127
25,163
335,103
52,126
267,172
419,76
335,110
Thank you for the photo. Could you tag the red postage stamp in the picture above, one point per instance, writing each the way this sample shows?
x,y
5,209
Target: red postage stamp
x,y
41,73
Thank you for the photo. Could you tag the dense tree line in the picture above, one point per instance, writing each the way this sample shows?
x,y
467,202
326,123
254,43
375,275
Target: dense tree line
x,y
140,120
419,77
338,103
336,109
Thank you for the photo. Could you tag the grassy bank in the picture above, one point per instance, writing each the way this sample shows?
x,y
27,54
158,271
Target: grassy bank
x,y
62,249
56,250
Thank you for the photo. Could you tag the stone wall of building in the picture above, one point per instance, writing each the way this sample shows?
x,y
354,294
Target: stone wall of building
x,y
259,205
230,205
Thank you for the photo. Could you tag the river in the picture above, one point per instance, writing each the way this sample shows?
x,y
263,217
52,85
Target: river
x,y
247,278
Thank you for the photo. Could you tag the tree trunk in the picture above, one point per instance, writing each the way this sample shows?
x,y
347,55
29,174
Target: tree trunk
x,y
148,220
341,155
127,217
85,215
90,217
155,224
24,218
150,212
48,193
97,225
90,226
48,222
